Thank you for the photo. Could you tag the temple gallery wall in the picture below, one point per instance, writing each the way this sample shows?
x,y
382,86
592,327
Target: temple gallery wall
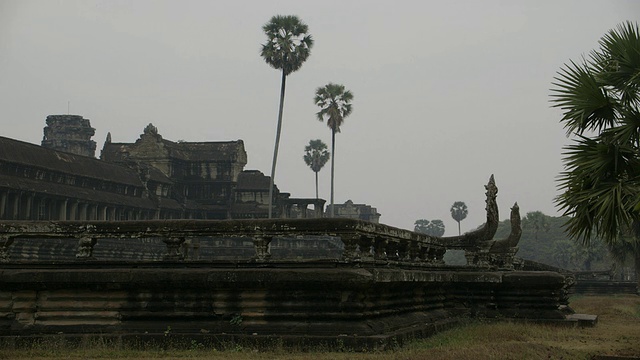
x,y
151,178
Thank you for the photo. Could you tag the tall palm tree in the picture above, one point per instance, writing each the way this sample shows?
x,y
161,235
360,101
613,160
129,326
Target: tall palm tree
x,y
316,156
600,100
288,46
459,212
335,105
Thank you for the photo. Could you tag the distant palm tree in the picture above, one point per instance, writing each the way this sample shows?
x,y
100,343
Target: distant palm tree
x,y
316,156
459,212
288,46
433,228
335,105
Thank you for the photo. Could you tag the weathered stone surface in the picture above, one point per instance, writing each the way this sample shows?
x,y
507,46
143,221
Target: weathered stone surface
x,y
304,302
387,283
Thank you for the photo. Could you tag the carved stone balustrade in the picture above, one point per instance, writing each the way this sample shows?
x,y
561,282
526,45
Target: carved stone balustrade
x,y
362,241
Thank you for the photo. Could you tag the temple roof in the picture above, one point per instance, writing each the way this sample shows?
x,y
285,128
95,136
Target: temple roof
x,y
18,152
152,145
253,180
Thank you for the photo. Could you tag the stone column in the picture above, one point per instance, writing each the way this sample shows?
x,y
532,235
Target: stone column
x,y
92,211
29,207
15,207
82,210
62,210
365,244
47,209
350,247
318,210
380,248
3,204
73,211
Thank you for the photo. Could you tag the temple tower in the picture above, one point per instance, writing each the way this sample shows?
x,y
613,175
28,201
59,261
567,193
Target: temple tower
x,y
69,133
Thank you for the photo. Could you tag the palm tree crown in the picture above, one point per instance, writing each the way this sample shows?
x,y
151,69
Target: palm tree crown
x,y
288,43
459,212
335,105
316,155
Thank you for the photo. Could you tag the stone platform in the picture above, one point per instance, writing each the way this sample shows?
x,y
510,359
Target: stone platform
x,y
312,302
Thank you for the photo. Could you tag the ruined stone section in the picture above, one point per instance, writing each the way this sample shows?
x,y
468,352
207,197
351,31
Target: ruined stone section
x,y
365,305
350,210
69,133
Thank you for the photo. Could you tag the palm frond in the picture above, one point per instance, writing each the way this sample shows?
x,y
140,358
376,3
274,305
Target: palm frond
x,y
586,104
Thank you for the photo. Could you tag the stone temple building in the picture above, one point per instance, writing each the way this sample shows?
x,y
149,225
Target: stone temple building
x,y
152,178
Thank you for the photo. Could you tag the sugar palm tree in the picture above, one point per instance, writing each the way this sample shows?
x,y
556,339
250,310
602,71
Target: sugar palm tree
x,y
600,99
433,228
288,46
459,212
335,105
316,156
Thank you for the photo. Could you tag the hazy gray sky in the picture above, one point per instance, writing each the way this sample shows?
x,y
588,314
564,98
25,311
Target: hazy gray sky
x,y
446,93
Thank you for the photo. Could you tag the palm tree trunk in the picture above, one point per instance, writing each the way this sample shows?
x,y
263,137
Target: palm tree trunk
x,y
316,185
333,157
459,228
275,150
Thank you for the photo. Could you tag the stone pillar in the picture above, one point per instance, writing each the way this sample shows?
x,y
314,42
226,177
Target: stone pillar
x,y
15,207
380,248
29,207
62,210
46,209
3,204
350,246
73,211
83,211
365,244
317,210
92,211
102,213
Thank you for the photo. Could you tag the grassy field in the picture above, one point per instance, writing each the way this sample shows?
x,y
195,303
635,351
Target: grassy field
x,y
617,333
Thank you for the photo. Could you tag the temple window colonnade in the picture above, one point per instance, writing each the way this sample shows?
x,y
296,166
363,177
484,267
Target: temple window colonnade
x,y
26,205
